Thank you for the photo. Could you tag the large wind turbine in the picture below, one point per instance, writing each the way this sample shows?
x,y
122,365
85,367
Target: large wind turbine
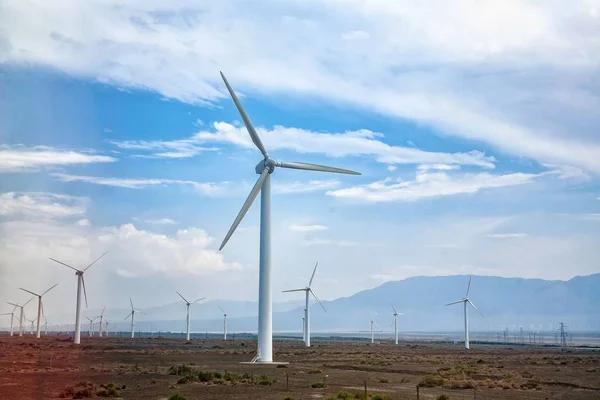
x,y
372,334
80,283
132,314
396,313
40,307
100,326
224,323
22,314
466,300
265,168
307,291
187,319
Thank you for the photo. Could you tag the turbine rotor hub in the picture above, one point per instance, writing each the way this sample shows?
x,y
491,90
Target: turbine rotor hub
x,y
266,163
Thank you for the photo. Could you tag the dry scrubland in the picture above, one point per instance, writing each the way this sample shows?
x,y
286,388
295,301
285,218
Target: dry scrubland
x,y
209,369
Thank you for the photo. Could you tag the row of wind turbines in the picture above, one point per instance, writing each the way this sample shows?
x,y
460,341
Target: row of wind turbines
x,y
265,167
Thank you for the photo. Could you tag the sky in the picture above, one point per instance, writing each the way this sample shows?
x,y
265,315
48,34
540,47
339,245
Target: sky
x,y
475,125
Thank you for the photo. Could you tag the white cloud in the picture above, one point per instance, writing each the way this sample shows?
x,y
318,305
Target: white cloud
x,y
24,159
391,168
427,185
436,68
161,221
41,205
440,167
305,187
507,235
163,149
84,222
332,242
204,188
308,228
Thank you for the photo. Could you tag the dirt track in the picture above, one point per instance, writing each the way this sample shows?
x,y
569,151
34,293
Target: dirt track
x,y
32,369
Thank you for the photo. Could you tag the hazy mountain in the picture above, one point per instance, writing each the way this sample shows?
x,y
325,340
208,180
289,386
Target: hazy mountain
x,y
504,302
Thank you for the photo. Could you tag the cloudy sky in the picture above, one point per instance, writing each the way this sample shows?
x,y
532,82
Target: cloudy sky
x,y
475,126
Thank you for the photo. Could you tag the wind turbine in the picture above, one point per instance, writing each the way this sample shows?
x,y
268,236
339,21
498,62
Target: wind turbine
x,y
22,314
132,314
12,317
100,326
187,319
32,321
396,313
224,323
40,307
372,335
466,300
265,168
80,283
106,327
307,291
45,326
91,331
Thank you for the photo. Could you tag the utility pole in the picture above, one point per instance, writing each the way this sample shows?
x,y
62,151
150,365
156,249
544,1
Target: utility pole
x,y
563,335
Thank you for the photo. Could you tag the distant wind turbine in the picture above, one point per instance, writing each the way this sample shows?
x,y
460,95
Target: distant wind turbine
x,y
132,314
40,307
265,168
100,326
307,290
80,283
224,323
31,328
187,318
22,313
12,317
372,332
91,331
396,323
466,300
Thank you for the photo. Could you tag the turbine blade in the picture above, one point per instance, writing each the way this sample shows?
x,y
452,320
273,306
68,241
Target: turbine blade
x,y
143,313
468,287
128,316
27,302
293,290
13,304
221,309
179,296
130,301
103,254
315,167
195,301
315,296
253,135
28,291
476,309
49,289
104,309
313,274
66,265
84,291
375,323
253,193
394,308
455,302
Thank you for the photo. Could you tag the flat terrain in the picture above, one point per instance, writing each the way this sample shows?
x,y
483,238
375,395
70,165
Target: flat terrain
x,y
147,369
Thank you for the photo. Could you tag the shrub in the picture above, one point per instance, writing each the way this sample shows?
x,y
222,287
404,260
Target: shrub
x,y
344,396
283,366
205,376
442,396
265,380
180,370
431,381
381,397
177,397
288,397
383,380
81,390
315,371
317,385
186,379
109,390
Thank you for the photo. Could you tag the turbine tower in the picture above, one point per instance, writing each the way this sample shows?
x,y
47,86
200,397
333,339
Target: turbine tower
x,y
396,313
22,314
91,331
466,301
372,334
101,318
187,320
106,327
265,168
40,307
32,322
132,314
80,283
224,323
307,291
12,317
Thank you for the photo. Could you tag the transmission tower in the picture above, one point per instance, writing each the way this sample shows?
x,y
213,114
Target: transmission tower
x,y
563,334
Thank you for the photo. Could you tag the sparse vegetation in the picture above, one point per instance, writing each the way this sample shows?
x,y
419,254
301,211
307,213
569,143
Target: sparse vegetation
x,y
442,396
431,381
315,371
383,380
177,397
317,385
108,390
81,390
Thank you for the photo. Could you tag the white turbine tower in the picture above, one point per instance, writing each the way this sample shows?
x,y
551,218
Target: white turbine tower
x,y
45,326
40,307
91,331
80,283
224,323
307,291
132,314
12,318
22,313
466,300
187,319
265,168
32,322
101,318
106,327
396,313
372,332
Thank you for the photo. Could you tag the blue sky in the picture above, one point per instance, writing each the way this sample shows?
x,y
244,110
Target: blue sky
x,y
479,147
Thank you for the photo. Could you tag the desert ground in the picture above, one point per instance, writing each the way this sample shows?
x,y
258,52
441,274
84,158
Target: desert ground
x,y
158,368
